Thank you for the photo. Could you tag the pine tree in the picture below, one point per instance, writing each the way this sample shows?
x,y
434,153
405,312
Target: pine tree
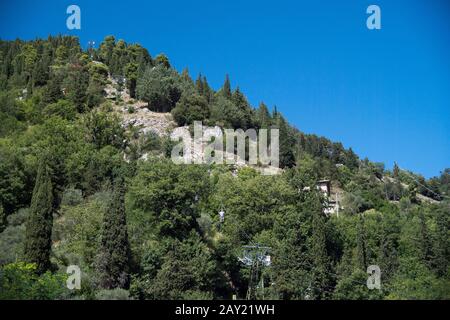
x,y
286,142
185,76
162,60
202,87
199,85
40,221
207,91
106,49
263,116
77,85
227,87
144,61
40,74
52,92
114,259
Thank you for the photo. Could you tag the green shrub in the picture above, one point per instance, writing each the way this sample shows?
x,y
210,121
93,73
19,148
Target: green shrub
x,y
114,294
72,197
20,281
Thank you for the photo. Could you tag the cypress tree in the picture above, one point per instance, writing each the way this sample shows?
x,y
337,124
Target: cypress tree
x,y
2,219
426,245
442,242
275,112
320,260
38,237
30,87
388,256
199,85
114,259
131,72
361,245
227,87
396,170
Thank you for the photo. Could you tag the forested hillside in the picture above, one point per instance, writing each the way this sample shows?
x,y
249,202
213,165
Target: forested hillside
x,y
80,185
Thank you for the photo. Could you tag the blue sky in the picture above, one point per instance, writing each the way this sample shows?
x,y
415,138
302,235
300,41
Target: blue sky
x,y
385,93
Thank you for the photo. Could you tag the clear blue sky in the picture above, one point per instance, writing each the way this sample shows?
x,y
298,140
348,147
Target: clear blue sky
x,y
384,93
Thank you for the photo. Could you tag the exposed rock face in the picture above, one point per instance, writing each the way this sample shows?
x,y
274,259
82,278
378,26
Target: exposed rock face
x,y
136,114
146,120
115,91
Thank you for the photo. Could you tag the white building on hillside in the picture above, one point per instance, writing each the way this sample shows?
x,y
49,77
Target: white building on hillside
x,y
332,205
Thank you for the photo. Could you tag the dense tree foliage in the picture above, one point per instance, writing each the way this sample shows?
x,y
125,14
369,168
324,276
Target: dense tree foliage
x,y
190,109
146,228
160,87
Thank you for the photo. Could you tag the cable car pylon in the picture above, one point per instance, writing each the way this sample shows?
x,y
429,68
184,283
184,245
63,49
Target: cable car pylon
x,y
256,257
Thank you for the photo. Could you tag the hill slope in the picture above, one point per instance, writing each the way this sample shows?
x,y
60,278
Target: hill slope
x,y
93,127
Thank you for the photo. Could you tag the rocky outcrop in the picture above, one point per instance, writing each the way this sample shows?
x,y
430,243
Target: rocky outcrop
x,y
135,113
146,120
